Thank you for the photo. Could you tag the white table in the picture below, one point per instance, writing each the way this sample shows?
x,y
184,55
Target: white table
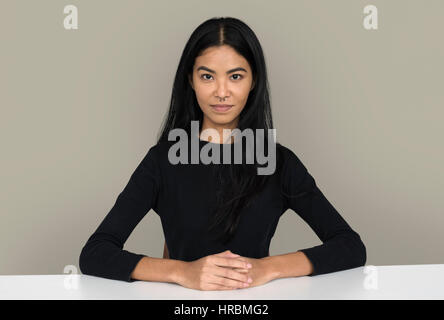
x,y
363,283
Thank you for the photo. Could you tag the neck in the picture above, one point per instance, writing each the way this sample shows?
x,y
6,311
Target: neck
x,y
208,137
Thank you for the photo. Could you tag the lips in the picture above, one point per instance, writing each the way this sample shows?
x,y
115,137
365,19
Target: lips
x,y
221,107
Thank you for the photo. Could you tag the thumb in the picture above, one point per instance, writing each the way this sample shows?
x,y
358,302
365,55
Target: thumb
x,y
229,253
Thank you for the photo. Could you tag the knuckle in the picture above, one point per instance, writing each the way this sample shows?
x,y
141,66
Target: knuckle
x,y
233,283
239,284
205,269
234,275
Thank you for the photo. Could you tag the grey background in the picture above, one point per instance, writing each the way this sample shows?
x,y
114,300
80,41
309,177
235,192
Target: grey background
x,y
80,108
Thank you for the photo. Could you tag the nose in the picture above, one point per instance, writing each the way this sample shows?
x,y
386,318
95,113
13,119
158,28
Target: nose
x,y
222,89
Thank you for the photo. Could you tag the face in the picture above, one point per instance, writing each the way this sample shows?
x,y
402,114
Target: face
x,y
221,76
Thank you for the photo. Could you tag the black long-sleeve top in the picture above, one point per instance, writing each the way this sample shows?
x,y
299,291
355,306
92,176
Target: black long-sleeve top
x,y
181,194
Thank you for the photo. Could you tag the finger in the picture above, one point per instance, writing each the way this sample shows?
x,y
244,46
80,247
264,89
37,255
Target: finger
x,y
228,253
226,282
233,254
233,278
236,257
236,284
232,263
223,252
241,270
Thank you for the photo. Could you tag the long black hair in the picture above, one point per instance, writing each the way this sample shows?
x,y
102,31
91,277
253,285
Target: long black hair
x,y
238,183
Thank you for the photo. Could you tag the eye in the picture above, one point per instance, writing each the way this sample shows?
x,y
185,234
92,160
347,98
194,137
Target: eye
x,y
207,74
237,74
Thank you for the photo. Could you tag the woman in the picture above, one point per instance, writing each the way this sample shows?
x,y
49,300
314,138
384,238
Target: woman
x,y
218,219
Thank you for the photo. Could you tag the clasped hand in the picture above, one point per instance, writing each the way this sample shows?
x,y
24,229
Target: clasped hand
x,y
224,271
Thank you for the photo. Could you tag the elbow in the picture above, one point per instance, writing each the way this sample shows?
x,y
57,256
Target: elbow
x,y
82,262
362,254
85,261
92,255
359,252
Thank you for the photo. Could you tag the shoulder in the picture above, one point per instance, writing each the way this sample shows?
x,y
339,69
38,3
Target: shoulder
x,y
153,155
158,152
283,150
288,162
161,147
286,155
294,174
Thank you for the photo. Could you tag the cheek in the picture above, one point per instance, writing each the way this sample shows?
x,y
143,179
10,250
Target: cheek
x,y
203,92
241,91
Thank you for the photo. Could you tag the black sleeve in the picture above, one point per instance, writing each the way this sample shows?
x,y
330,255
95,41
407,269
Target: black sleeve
x,y
341,248
103,253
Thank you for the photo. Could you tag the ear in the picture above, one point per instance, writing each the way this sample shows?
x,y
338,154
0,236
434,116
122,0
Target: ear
x,y
254,83
191,81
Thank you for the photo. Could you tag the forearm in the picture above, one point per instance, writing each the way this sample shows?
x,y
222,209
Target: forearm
x,y
288,265
158,269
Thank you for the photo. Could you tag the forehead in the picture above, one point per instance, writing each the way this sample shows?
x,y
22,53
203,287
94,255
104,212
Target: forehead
x,y
221,57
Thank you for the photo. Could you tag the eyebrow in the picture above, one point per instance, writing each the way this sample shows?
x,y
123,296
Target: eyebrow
x,y
229,71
